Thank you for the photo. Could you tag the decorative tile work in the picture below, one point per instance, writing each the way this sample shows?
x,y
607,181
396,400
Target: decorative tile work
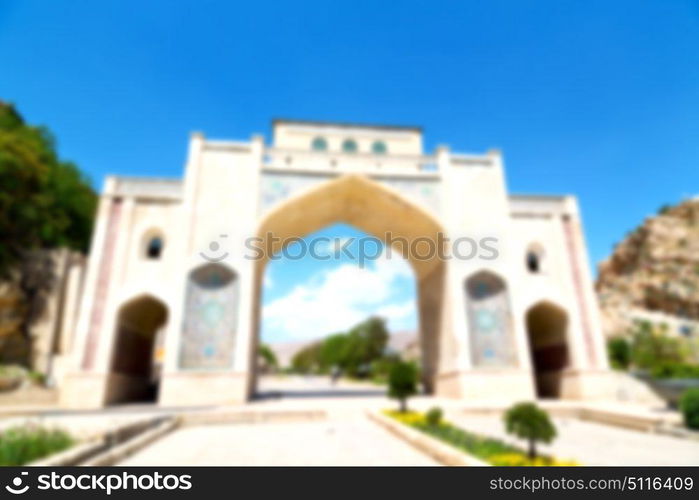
x,y
210,319
424,192
276,187
490,321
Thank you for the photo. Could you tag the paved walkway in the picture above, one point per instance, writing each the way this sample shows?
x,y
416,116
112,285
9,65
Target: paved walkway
x,y
347,437
352,441
597,444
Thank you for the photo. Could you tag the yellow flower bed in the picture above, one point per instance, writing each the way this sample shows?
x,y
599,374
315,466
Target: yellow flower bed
x,y
519,459
479,446
407,418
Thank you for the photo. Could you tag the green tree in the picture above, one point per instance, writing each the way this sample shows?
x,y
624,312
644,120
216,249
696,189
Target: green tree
x,y
380,368
355,351
402,383
333,351
45,203
306,360
365,343
268,356
528,421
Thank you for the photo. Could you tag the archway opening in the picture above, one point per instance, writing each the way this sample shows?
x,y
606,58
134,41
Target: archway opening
x,y
547,331
136,362
336,307
386,215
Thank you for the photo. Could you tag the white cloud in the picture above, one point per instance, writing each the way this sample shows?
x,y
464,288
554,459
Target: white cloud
x,y
330,248
334,300
399,316
397,311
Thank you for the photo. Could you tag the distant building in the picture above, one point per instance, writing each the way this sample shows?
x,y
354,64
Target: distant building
x,y
406,344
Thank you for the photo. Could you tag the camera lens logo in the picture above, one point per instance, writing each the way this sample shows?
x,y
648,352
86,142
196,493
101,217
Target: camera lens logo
x,y
16,487
214,246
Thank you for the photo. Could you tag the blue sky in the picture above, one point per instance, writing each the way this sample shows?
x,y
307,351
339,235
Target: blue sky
x,y
599,99
307,297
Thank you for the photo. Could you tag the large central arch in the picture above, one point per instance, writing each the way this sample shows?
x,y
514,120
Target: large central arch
x,y
377,210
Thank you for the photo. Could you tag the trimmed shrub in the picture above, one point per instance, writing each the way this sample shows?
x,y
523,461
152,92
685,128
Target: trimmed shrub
x,y
528,421
675,370
689,405
402,383
433,416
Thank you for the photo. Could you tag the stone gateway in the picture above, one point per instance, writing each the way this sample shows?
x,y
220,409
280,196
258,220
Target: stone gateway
x,y
170,309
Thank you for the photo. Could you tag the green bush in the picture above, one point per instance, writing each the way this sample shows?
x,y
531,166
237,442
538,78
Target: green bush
x,y
433,417
689,404
619,351
402,383
21,445
480,446
652,346
528,421
663,209
675,370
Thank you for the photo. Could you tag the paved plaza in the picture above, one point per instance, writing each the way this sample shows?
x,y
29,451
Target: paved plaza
x,y
347,437
344,435
350,441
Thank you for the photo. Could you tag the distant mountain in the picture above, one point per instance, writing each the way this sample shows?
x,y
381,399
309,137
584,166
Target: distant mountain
x,y
285,351
406,343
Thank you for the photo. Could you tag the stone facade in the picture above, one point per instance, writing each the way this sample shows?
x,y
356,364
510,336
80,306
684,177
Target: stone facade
x,y
170,267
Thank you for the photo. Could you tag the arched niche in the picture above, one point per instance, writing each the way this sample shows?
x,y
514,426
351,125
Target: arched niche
x,y
210,318
489,321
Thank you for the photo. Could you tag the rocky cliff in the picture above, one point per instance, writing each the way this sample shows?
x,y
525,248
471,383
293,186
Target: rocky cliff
x,y
655,269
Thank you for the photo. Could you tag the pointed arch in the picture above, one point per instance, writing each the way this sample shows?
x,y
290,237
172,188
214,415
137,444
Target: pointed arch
x,y
210,318
490,320
379,211
547,331
369,205
135,368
